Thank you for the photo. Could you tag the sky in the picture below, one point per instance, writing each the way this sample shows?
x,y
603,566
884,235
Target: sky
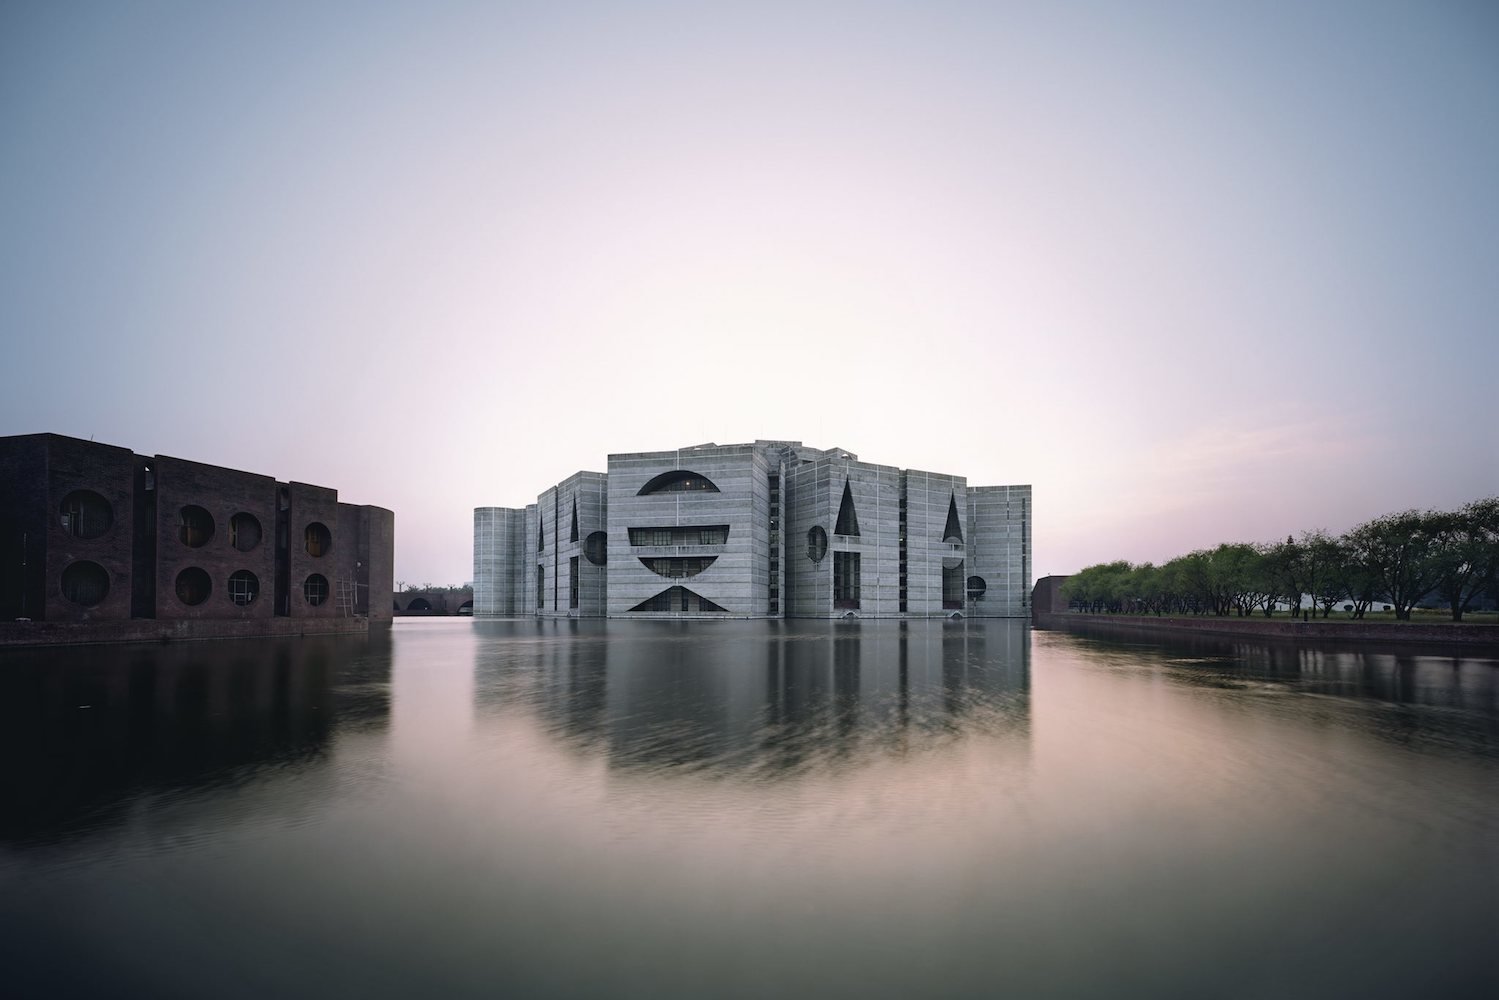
x,y
1196,272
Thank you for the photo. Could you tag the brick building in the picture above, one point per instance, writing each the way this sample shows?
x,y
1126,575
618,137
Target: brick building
x,y
92,532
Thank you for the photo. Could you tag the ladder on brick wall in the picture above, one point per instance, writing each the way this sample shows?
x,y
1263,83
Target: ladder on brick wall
x,y
347,590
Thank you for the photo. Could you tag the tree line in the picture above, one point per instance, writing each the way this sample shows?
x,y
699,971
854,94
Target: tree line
x,y
1397,559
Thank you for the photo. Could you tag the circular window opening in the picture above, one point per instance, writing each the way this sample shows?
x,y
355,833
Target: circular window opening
x,y
976,587
244,531
85,514
193,586
317,539
194,526
85,583
596,548
817,543
243,587
315,589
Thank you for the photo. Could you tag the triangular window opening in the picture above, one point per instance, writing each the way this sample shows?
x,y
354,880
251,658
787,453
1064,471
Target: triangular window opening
x,y
575,520
541,534
848,521
954,530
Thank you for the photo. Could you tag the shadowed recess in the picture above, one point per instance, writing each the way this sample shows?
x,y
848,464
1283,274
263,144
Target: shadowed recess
x,y
678,481
680,600
677,566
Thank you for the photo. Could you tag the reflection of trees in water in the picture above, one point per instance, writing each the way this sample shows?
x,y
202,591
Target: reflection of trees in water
x,y
760,698
85,731
1386,686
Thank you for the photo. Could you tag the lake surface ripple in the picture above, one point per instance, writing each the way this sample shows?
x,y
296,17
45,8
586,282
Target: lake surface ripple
x,y
874,809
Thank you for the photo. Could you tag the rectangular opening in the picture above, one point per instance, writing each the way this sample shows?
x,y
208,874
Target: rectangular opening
x,y
846,580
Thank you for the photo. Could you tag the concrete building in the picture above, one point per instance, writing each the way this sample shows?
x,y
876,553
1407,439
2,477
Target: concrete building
x,y
94,533
772,529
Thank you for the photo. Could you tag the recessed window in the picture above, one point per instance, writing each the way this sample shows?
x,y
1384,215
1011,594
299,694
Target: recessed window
x,y
596,548
953,581
677,567
848,519
85,583
705,534
678,481
976,587
315,589
85,514
244,531
318,540
953,530
194,526
243,587
846,580
193,586
817,543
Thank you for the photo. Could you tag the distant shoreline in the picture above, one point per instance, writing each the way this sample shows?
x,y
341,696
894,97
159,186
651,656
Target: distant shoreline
x,y
1402,633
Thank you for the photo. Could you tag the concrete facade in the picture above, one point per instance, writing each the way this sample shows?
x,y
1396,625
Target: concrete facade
x,y
772,529
93,533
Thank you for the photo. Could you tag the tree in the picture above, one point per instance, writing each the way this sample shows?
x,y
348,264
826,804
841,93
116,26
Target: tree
x,y
1466,552
1309,566
1399,551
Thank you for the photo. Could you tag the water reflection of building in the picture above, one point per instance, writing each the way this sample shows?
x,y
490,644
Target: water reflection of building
x,y
758,699
772,529
88,731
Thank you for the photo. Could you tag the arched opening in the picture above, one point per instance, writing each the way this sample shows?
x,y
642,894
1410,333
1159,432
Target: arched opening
x,y
85,514
466,608
678,481
976,588
419,604
953,579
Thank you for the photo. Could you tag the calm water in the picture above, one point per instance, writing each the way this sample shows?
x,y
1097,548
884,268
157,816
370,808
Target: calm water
x,y
748,809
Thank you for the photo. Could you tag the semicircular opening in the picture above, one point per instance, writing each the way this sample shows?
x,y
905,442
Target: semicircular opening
x,y
677,567
678,481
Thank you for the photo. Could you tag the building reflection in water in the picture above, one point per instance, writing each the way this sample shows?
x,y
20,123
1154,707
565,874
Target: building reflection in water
x,y
760,699
89,732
